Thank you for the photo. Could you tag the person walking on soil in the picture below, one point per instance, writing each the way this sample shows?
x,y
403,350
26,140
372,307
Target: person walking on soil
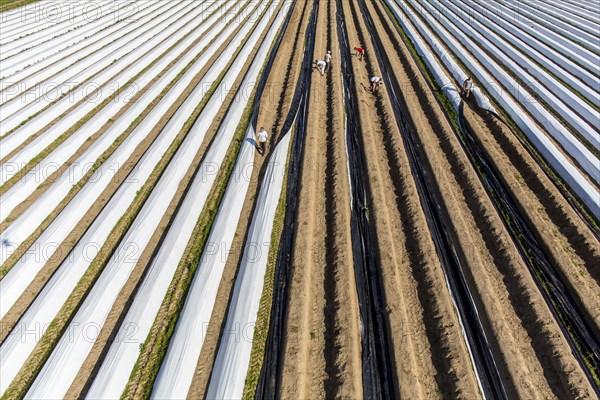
x,y
467,86
375,83
262,140
360,53
321,65
328,61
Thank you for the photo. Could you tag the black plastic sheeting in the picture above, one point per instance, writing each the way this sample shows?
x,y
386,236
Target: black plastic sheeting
x,y
482,358
587,217
557,296
268,383
377,375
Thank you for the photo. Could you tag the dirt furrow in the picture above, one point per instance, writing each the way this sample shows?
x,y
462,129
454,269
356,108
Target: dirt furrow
x,y
535,358
322,347
430,354
564,236
342,341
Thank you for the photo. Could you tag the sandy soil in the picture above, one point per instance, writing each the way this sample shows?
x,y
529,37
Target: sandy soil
x,y
568,241
537,360
274,105
322,346
421,315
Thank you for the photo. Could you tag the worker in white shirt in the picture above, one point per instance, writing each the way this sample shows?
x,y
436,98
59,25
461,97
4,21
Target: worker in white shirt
x,y
328,60
262,140
468,86
375,83
321,66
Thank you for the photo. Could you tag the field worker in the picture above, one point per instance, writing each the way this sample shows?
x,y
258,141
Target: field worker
x,y
360,52
328,60
262,140
321,66
468,86
375,83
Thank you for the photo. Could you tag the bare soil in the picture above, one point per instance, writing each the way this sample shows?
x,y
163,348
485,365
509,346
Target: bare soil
x,y
321,356
421,315
544,367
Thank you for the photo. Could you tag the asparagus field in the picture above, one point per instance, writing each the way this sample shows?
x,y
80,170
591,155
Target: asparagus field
x,y
299,199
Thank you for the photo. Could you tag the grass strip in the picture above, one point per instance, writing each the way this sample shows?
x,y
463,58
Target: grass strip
x,y
6,5
154,349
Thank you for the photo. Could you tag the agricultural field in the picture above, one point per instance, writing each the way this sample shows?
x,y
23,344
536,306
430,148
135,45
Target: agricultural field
x,y
418,236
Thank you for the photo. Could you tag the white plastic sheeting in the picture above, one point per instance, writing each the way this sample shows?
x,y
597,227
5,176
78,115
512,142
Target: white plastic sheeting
x,y
32,18
73,30
25,224
588,194
469,49
231,364
175,376
119,362
586,120
34,66
115,77
532,41
571,31
63,364
18,346
25,186
76,16
101,66
577,15
24,271
552,61
441,78
27,72
566,47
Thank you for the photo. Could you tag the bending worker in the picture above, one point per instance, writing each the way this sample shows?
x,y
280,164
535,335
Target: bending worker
x,y
360,53
321,66
375,83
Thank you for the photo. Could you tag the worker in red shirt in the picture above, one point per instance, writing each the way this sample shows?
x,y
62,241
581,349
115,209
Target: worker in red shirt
x,y
360,52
